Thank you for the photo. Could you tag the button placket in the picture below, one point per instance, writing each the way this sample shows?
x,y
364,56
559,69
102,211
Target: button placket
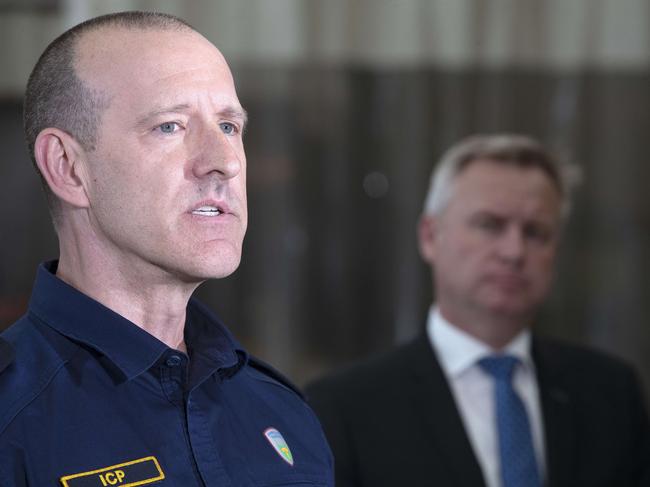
x,y
172,377
205,451
173,361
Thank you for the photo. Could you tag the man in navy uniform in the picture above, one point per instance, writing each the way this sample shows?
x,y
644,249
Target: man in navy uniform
x,y
479,400
116,376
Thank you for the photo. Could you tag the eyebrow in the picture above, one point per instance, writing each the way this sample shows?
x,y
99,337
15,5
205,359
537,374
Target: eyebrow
x,y
238,113
230,112
144,119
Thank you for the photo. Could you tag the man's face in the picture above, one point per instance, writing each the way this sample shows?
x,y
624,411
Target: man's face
x,y
493,247
167,181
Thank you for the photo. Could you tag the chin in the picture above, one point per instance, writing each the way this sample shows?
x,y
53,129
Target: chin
x,y
219,269
507,305
216,265
511,311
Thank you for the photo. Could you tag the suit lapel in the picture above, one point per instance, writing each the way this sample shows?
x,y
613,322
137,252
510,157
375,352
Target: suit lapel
x,y
436,408
559,429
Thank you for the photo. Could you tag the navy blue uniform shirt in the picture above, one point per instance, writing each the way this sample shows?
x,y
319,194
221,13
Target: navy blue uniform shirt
x,y
90,399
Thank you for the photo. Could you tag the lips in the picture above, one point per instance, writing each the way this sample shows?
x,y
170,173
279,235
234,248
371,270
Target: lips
x,y
207,211
509,281
210,209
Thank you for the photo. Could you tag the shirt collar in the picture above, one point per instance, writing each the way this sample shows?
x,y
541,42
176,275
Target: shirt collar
x,y
211,342
126,345
458,350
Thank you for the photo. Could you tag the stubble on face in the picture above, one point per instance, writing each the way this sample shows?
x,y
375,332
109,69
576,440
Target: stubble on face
x,y
169,143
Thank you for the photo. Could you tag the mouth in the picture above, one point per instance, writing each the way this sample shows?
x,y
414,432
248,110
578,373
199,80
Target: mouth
x,y
510,281
211,208
208,210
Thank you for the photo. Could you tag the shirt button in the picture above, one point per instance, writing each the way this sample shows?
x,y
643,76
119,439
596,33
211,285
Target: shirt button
x,y
173,361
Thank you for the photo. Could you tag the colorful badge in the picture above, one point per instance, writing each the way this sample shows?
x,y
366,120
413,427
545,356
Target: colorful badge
x,y
277,442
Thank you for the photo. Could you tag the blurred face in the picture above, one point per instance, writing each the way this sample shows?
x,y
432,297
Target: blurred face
x,y
493,247
167,181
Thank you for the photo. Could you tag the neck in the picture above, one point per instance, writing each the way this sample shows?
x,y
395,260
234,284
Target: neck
x,y
495,330
140,292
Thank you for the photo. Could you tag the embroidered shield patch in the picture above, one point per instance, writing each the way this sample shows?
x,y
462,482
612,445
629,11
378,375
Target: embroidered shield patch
x,y
279,444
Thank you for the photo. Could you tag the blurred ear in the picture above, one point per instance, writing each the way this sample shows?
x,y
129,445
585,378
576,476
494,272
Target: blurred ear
x,y
427,228
58,157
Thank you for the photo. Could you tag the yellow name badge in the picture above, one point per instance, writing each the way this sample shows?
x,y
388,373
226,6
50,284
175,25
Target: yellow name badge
x,y
136,472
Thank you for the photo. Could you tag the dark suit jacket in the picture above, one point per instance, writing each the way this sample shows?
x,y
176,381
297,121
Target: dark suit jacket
x,y
392,421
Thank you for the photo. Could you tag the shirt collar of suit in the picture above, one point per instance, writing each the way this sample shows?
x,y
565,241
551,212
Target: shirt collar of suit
x,y
458,351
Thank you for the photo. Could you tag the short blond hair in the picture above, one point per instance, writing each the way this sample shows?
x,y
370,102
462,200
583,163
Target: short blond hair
x,y
510,149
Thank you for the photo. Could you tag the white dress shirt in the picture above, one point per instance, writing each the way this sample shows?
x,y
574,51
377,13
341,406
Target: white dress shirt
x,y
473,390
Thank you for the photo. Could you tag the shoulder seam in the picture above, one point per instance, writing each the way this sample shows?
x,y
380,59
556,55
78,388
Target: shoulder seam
x,y
22,402
273,376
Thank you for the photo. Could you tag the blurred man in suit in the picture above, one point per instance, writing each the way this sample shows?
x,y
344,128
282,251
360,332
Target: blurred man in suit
x,y
480,400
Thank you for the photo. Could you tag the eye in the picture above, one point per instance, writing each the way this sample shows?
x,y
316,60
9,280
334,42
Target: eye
x,y
488,223
538,232
168,127
228,128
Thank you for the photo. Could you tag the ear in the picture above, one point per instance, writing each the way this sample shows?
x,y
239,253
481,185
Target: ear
x,y
427,228
59,158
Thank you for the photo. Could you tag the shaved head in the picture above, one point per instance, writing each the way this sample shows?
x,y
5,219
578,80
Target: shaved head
x,y
58,97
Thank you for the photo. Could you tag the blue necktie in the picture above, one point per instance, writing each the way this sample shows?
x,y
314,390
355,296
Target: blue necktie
x,y
518,463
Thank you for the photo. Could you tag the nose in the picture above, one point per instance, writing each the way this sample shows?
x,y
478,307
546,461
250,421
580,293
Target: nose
x,y
512,245
217,154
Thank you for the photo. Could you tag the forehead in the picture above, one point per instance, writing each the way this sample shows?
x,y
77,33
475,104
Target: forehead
x,y
500,187
120,61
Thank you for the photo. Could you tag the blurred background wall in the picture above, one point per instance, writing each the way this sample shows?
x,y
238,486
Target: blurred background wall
x,y
351,103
